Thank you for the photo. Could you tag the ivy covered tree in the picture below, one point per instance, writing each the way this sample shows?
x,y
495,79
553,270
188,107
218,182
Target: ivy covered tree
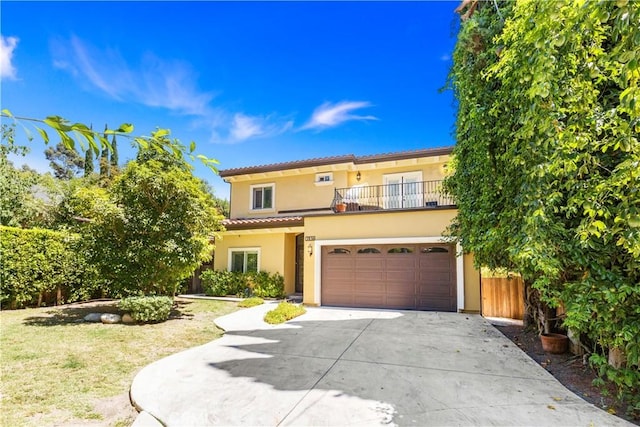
x,y
547,163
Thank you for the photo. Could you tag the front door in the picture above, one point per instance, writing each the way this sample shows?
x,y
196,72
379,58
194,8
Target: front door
x,y
299,262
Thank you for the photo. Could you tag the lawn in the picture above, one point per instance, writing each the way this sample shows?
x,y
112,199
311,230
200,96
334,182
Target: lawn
x,y
59,370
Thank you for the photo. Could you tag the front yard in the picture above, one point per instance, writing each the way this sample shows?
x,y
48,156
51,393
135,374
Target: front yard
x,y
59,370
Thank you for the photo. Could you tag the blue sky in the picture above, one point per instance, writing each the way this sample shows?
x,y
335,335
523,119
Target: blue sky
x,y
250,82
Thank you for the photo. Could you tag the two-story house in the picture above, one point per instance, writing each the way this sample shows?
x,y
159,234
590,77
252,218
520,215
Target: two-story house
x,y
356,231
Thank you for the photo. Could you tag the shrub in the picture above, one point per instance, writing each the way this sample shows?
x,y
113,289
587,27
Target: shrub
x,y
267,285
147,309
250,302
219,283
261,284
43,266
283,312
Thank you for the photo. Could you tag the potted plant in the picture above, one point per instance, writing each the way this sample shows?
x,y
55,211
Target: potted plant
x,y
554,343
341,206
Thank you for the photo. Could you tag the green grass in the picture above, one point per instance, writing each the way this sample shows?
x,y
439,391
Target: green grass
x,y
55,367
250,302
283,312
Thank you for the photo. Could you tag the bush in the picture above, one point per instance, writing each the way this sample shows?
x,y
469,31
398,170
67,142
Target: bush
x,y
266,285
283,312
250,302
219,283
43,266
147,309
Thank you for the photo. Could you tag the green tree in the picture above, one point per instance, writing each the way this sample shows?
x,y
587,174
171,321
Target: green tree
x,y
88,163
153,230
18,206
103,162
65,162
546,169
113,160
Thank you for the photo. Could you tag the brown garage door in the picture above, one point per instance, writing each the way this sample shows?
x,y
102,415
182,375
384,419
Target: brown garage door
x,y
420,277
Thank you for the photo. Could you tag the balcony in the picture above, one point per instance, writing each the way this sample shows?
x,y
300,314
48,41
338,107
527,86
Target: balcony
x,y
406,195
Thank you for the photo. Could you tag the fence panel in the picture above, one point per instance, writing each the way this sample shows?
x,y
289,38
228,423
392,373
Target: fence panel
x,y
503,297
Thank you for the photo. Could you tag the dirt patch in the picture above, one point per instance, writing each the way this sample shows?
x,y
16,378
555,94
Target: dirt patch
x,y
572,371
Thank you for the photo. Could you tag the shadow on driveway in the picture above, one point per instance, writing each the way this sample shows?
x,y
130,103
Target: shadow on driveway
x,y
352,367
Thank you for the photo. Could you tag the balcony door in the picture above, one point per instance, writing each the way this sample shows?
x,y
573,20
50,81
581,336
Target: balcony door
x,y
403,190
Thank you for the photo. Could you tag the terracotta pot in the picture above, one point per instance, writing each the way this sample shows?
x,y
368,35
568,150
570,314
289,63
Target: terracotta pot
x,y
554,343
341,207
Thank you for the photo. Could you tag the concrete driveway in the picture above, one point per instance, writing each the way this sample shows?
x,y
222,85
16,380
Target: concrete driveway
x,y
357,367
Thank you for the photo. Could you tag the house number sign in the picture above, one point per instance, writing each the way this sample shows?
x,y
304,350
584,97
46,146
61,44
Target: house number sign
x,y
309,238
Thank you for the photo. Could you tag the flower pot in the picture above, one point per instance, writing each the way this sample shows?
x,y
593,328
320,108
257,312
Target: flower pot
x,y
341,207
554,343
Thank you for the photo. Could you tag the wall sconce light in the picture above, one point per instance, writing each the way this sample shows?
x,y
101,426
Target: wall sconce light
x,y
358,176
310,249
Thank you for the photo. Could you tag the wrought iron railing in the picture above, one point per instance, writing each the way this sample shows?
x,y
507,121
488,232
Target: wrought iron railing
x,y
404,195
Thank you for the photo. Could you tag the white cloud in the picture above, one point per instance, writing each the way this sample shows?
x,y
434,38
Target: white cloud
x,y
331,115
244,127
7,46
155,82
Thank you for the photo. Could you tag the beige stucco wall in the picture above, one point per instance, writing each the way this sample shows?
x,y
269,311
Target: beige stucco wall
x,y
277,252
291,192
297,189
472,300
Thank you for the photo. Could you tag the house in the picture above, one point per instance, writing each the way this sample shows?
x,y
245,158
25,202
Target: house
x,y
385,250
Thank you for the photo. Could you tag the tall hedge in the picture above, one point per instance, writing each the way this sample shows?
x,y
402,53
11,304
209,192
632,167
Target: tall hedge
x,y
43,266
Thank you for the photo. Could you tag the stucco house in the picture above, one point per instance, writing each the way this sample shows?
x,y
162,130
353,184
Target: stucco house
x,y
385,250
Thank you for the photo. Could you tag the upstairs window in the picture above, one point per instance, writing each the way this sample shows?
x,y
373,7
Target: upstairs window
x,y
324,178
262,196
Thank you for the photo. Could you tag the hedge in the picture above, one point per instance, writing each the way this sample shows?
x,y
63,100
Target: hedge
x,y
259,284
43,266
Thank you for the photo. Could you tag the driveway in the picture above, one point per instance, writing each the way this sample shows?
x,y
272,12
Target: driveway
x,y
357,367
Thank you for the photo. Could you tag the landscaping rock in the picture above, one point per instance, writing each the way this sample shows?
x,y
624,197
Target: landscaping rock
x,y
93,317
110,318
126,318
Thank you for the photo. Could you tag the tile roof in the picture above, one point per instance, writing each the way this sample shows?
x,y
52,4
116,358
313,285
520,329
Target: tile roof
x,y
347,158
279,221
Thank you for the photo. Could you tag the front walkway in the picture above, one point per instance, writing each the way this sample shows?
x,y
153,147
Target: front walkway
x,y
357,367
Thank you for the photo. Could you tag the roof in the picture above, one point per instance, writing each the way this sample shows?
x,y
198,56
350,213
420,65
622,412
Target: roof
x,y
273,222
348,158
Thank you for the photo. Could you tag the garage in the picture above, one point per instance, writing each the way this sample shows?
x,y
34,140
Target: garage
x,y
399,276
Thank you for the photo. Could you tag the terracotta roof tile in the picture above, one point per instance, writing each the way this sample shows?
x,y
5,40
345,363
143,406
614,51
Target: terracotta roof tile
x,y
279,221
322,161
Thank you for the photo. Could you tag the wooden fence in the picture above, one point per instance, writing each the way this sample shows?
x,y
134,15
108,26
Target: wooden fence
x,y
503,297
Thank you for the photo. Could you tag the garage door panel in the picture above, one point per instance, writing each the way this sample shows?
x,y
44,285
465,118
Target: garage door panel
x,y
434,277
399,276
404,302
365,300
401,288
400,262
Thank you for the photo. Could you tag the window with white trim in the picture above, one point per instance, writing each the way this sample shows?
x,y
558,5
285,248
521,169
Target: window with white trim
x,y
263,196
244,260
324,178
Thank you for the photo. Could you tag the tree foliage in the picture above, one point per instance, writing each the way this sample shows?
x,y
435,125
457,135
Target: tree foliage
x,y
66,162
19,206
71,134
151,229
548,160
